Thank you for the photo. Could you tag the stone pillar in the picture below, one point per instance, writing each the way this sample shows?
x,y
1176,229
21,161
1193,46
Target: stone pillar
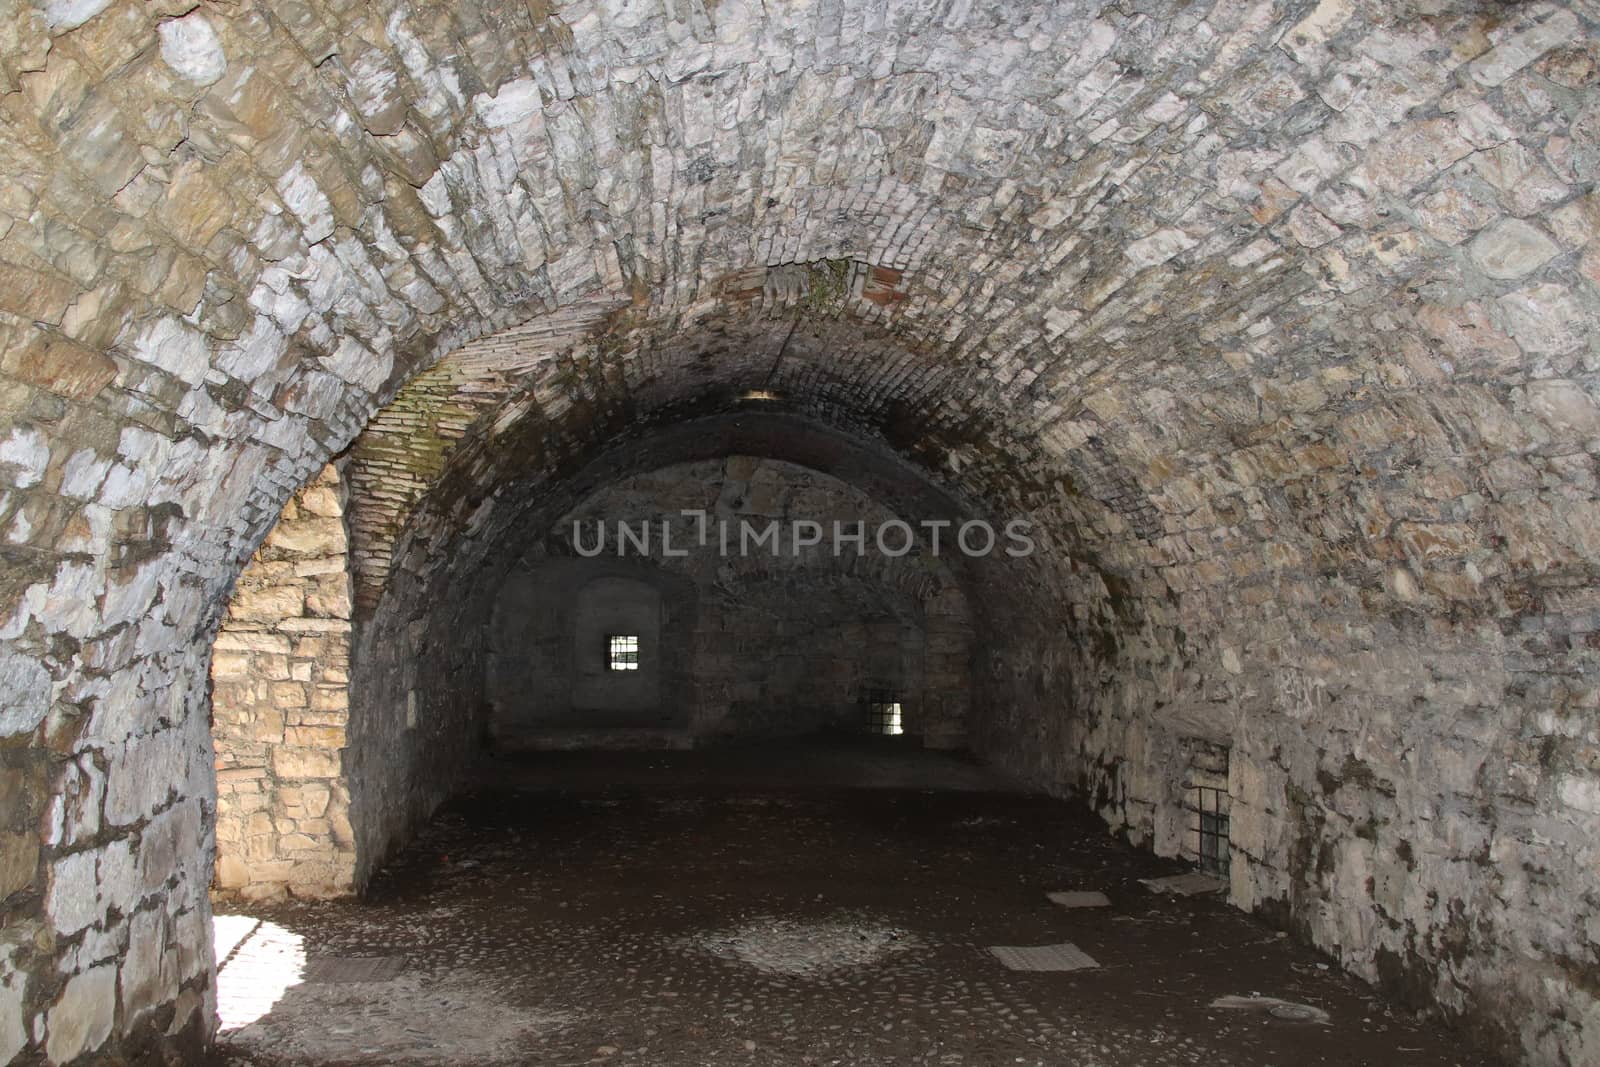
x,y
280,699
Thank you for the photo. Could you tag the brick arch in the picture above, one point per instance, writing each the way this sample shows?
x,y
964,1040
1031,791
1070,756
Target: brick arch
x,y
560,394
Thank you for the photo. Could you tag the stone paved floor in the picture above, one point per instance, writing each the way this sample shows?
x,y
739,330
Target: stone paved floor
x,y
663,910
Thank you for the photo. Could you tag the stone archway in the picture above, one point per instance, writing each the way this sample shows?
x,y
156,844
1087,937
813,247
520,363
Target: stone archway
x,y
1279,319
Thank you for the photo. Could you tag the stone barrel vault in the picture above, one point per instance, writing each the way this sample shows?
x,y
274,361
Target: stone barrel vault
x,y
1278,319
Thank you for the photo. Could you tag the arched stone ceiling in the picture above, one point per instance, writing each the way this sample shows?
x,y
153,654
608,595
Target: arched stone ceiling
x,y
460,438
1298,299
1103,216
462,541
1218,294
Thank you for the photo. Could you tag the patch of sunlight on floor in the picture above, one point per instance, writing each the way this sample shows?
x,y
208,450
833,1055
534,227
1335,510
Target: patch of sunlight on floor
x,y
257,963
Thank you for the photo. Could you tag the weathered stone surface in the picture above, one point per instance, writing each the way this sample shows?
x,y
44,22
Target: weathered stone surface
x,y
19,862
74,891
33,293
61,15
13,993
24,693
81,1017
309,536
1566,406
1513,249
63,366
280,771
191,48
148,975
1235,435
1545,319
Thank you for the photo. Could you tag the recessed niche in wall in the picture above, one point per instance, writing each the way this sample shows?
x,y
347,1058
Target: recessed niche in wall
x,y
622,652
1207,805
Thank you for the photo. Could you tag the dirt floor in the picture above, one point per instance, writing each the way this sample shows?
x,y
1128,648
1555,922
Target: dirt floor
x,y
701,909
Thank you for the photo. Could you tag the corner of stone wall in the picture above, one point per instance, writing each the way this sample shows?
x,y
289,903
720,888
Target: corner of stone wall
x,y
280,674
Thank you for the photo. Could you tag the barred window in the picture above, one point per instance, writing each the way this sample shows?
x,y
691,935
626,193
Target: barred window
x,y
623,652
883,715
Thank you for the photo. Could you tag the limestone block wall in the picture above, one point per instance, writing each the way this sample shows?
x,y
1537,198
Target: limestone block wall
x,y
757,642
280,675
549,666
1412,794
794,658
1283,315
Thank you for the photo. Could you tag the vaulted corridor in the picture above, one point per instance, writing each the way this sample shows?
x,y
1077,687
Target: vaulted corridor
x,y
1186,410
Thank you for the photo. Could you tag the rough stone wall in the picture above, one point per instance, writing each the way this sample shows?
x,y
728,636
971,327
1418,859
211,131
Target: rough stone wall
x,y
280,707
547,666
780,643
804,656
417,714
1401,803
1410,792
1280,316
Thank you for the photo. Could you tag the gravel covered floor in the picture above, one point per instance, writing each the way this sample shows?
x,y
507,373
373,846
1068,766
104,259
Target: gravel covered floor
x,y
684,915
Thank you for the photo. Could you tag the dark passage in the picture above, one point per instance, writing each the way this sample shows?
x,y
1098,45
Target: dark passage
x,y
805,905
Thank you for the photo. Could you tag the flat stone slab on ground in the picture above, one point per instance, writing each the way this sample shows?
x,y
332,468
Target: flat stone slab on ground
x,y
1192,884
1063,957
1080,898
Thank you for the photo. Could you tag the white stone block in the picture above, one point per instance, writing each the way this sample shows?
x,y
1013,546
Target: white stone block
x,y
63,15
1582,793
1564,405
25,689
81,1019
513,102
1512,249
27,453
307,203
72,898
144,770
190,46
1158,247
150,969
13,1029
176,348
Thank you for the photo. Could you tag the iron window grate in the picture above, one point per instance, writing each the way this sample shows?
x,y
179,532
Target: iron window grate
x,y
1210,808
623,652
884,715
